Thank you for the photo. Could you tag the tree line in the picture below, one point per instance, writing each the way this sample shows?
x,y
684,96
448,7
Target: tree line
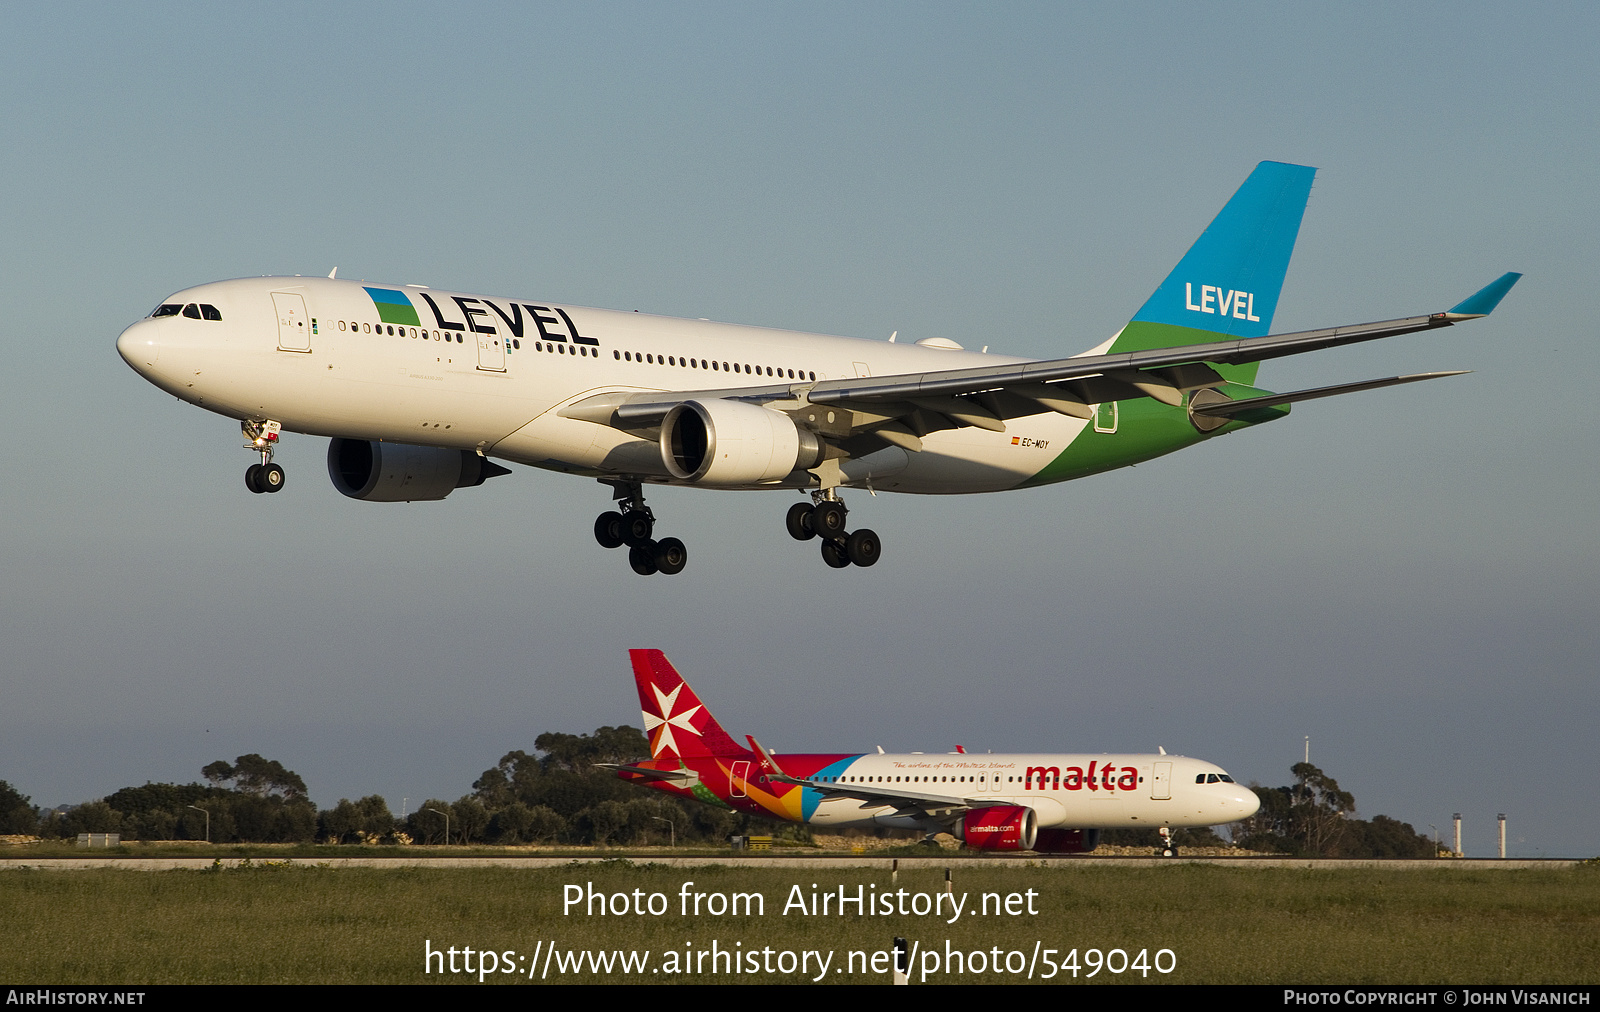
x,y
1313,817
558,795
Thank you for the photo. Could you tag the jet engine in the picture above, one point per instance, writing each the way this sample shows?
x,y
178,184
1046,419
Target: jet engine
x,y
1003,827
396,472
722,442
1067,841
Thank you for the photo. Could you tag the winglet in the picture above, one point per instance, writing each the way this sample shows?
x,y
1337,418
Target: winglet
x,y
1483,301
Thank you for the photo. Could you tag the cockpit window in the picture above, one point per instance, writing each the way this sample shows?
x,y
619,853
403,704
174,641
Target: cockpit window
x,y
209,312
167,309
1212,778
192,311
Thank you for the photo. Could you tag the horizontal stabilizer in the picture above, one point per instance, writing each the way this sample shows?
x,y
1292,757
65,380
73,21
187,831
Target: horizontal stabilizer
x,y
647,772
1228,409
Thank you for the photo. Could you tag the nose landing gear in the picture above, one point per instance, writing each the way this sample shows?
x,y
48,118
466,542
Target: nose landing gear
x,y
1167,848
826,518
262,437
633,526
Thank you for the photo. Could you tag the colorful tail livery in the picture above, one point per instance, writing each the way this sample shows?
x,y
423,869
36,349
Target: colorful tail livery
x,y
420,388
1229,281
1045,803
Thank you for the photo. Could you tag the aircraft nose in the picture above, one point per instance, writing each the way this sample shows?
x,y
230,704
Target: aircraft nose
x,y
140,345
1249,803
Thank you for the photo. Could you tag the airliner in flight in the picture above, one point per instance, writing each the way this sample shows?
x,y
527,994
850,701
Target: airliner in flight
x,y
423,390
1046,803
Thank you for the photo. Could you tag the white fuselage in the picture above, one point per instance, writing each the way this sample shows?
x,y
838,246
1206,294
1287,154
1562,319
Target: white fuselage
x,y
491,374
1066,791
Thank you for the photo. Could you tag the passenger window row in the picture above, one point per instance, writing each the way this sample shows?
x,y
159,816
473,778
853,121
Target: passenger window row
x,y
700,363
367,328
511,344
202,311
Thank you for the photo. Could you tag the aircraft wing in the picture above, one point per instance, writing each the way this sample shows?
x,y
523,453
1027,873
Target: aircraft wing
x,y
936,806
900,409
906,802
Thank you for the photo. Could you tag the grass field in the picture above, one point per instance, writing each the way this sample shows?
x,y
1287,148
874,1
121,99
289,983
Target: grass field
x,y
1222,925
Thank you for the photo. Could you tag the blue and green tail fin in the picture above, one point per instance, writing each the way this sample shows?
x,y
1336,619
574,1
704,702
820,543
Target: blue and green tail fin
x,y
1227,285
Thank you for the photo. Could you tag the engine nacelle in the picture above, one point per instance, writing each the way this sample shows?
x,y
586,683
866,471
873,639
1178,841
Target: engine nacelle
x,y
396,472
1003,827
1067,841
721,442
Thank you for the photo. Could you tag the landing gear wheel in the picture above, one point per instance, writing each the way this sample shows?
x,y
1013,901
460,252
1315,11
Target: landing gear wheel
x,y
670,556
608,529
260,437
862,547
643,559
834,554
637,526
828,518
633,525
270,478
799,522
1168,852
1167,848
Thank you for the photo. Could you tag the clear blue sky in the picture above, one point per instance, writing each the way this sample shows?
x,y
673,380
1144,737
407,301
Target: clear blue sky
x,y
1408,576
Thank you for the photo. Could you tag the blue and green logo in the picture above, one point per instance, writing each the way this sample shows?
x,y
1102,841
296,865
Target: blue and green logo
x,y
394,307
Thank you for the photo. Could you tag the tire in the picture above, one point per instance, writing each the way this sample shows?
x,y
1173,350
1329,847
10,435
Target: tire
x,y
608,529
642,559
671,556
799,522
252,475
271,478
828,519
637,528
863,548
834,554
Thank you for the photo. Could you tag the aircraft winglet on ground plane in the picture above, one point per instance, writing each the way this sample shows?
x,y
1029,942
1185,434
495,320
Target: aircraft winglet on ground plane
x,y
419,388
1001,802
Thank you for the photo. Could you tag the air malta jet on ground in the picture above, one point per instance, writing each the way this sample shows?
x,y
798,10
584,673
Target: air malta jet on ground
x,y
419,388
1046,803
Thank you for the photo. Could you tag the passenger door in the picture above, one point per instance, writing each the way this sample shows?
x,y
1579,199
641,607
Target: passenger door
x,y
294,326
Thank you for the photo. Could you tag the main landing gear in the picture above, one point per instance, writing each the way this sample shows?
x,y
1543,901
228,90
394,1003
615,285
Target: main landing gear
x,y
825,518
262,437
633,527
